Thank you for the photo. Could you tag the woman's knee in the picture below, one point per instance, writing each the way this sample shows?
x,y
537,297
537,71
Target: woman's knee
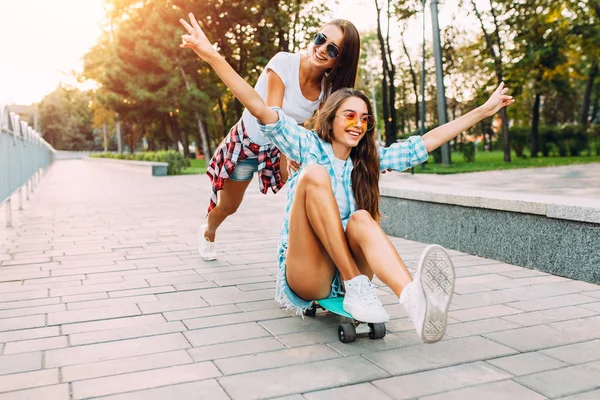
x,y
359,223
314,174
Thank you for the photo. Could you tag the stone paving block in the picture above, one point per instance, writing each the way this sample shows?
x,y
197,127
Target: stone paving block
x,y
144,291
19,276
28,303
551,302
235,318
20,363
130,273
174,301
27,380
243,281
440,380
125,333
195,285
201,312
30,321
527,363
258,305
54,392
270,284
299,324
473,314
360,391
21,312
26,295
167,261
564,381
250,272
92,270
576,353
112,324
99,288
275,359
124,365
84,297
593,395
224,334
41,281
115,303
442,354
92,314
550,335
172,280
523,273
233,349
203,390
300,378
478,327
113,350
143,380
309,338
104,279
551,315
25,334
365,346
592,306
25,261
26,346
489,391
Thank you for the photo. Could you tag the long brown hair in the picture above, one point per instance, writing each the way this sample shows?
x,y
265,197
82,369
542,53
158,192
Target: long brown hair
x,y
365,174
343,73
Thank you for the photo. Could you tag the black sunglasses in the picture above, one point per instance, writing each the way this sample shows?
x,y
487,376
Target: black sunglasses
x,y
332,50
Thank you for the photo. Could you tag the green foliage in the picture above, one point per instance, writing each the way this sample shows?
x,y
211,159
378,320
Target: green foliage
x,y
519,138
177,162
468,151
575,138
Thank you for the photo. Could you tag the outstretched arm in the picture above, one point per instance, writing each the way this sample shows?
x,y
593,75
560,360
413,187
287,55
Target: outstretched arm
x,y
442,134
197,41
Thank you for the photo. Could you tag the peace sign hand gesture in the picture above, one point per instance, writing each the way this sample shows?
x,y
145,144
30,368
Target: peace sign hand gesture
x,y
196,39
497,100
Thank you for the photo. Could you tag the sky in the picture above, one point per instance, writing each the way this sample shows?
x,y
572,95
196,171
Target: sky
x,y
42,41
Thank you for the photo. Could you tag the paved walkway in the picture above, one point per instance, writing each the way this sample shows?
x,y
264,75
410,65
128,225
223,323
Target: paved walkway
x,y
102,295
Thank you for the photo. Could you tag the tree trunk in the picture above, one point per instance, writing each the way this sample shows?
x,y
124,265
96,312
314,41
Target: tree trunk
x,y
201,130
391,139
587,95
390,136
413,75
497,57
596,104
535,124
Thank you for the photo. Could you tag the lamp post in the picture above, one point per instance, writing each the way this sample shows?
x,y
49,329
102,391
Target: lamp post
x,y
439,74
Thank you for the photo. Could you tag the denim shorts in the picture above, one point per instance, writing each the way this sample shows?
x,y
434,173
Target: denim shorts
x,y
244,169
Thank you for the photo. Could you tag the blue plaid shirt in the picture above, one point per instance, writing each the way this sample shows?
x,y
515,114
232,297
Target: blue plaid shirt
x,y
305,147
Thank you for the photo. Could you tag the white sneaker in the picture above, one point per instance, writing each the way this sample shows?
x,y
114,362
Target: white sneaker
x,y
206,248
362,302
427,298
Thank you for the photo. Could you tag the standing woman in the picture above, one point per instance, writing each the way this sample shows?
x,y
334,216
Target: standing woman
x,y
298,84
331,230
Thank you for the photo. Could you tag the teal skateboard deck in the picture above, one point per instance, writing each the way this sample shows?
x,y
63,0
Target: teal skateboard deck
x,y
346,331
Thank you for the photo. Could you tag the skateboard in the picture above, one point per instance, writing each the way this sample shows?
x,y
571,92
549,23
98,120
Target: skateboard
x,y
347,331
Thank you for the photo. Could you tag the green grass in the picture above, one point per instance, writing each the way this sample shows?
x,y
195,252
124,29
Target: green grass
x,y
484,161
196,167
494,160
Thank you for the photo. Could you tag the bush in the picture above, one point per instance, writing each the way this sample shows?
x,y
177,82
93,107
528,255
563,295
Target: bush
x,y
468,150
519,138
595,139
549,135
575,138
175,159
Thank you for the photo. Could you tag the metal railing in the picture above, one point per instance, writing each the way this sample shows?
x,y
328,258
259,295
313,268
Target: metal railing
x,y
23,156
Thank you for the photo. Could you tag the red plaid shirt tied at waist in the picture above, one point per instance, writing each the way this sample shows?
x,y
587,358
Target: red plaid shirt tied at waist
x,y
238,146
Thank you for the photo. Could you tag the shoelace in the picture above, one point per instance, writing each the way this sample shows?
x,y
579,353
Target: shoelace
x,y
366,292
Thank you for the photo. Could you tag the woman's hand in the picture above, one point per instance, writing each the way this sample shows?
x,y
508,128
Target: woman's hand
x,y
497,100
293,166
196,39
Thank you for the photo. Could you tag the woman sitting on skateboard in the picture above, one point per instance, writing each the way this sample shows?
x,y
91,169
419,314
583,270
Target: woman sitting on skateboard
x,y
331,230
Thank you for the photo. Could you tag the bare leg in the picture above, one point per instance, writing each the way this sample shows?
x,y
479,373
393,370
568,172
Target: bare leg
x,y
283,167
317,243
230,199
374,252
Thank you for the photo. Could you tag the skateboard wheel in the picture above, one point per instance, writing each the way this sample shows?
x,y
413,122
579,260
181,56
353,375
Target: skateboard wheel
x,y
311,311
347,333
376,331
